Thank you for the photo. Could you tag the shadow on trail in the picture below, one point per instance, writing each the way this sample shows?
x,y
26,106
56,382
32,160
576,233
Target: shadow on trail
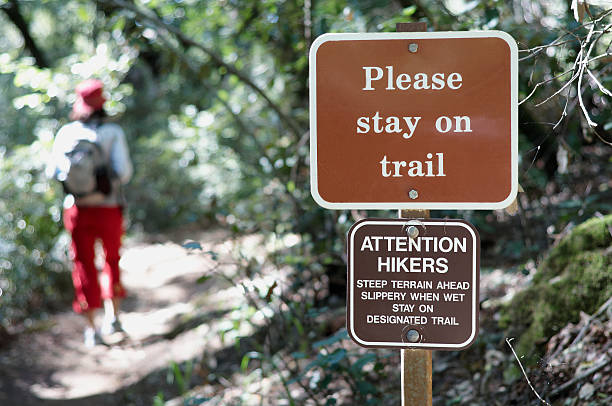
x,y
142,392
172,315
184,325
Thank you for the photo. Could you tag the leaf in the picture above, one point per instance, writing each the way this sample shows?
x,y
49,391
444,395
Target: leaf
x,y
339,336
361,362
307,368
513,208
83,14
178,377
223,95
195,400
203,278
324,383
365,387
336,356
244,364
192,245
213,255
570,204
408,11
298,326
158,400
298,355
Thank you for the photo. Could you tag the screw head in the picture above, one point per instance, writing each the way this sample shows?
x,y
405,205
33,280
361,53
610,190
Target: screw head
x,y
413,336
413,47
413,194
413,232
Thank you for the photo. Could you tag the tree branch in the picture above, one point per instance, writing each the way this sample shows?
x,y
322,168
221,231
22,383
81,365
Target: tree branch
x,y
11,9
579,377
195,71
580,68
508,340
237,119
214,57
253,15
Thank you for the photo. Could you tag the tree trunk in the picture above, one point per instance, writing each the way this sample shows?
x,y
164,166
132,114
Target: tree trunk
x,y
11,9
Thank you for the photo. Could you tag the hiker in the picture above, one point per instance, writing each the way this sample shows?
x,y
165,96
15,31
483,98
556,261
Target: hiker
x,y
91,159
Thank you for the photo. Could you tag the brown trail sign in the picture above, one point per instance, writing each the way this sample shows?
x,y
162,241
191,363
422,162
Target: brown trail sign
x,y
414,120
413,283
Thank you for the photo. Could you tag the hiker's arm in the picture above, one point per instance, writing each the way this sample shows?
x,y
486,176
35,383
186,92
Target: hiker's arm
x,y
120,157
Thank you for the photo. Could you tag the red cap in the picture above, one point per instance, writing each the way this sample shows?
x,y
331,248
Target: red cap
x,y
89,96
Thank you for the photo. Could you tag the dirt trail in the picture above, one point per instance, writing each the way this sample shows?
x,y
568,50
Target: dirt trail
x,y
168,317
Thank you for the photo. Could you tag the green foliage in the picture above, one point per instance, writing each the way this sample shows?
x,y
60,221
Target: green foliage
x,y
180,377
592,235
575,277
32,252
334,364
158,400
163,195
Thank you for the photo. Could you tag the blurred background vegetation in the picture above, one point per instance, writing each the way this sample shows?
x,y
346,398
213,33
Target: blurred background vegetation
x,y
213,97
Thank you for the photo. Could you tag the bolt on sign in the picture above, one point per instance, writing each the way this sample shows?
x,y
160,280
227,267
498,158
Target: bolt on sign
x,y
413,283
414,120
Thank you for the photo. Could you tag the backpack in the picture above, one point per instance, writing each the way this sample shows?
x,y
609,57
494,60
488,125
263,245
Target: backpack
x,y
88,171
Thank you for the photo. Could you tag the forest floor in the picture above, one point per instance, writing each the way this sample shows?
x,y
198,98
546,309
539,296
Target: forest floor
x,y
184,313
49,364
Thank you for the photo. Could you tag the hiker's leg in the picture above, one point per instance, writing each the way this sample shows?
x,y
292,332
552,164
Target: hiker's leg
x,y
87,295
90,317
111,308
110,232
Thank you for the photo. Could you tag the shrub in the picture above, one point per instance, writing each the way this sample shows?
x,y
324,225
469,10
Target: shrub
x,y
33,247
575,277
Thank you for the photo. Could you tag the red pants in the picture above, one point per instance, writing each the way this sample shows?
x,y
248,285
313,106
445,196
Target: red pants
x,y
86,224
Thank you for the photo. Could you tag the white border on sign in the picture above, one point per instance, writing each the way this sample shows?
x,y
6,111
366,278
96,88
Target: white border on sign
x,y
415,205
411,345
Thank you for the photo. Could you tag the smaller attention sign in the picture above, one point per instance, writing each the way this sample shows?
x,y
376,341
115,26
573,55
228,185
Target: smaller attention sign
x,y
413,283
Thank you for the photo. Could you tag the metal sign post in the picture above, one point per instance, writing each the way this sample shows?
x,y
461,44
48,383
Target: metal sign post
x,y
416,365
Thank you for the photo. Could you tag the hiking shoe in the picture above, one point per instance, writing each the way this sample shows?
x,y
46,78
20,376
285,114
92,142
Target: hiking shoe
x,y
111,327
92,338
